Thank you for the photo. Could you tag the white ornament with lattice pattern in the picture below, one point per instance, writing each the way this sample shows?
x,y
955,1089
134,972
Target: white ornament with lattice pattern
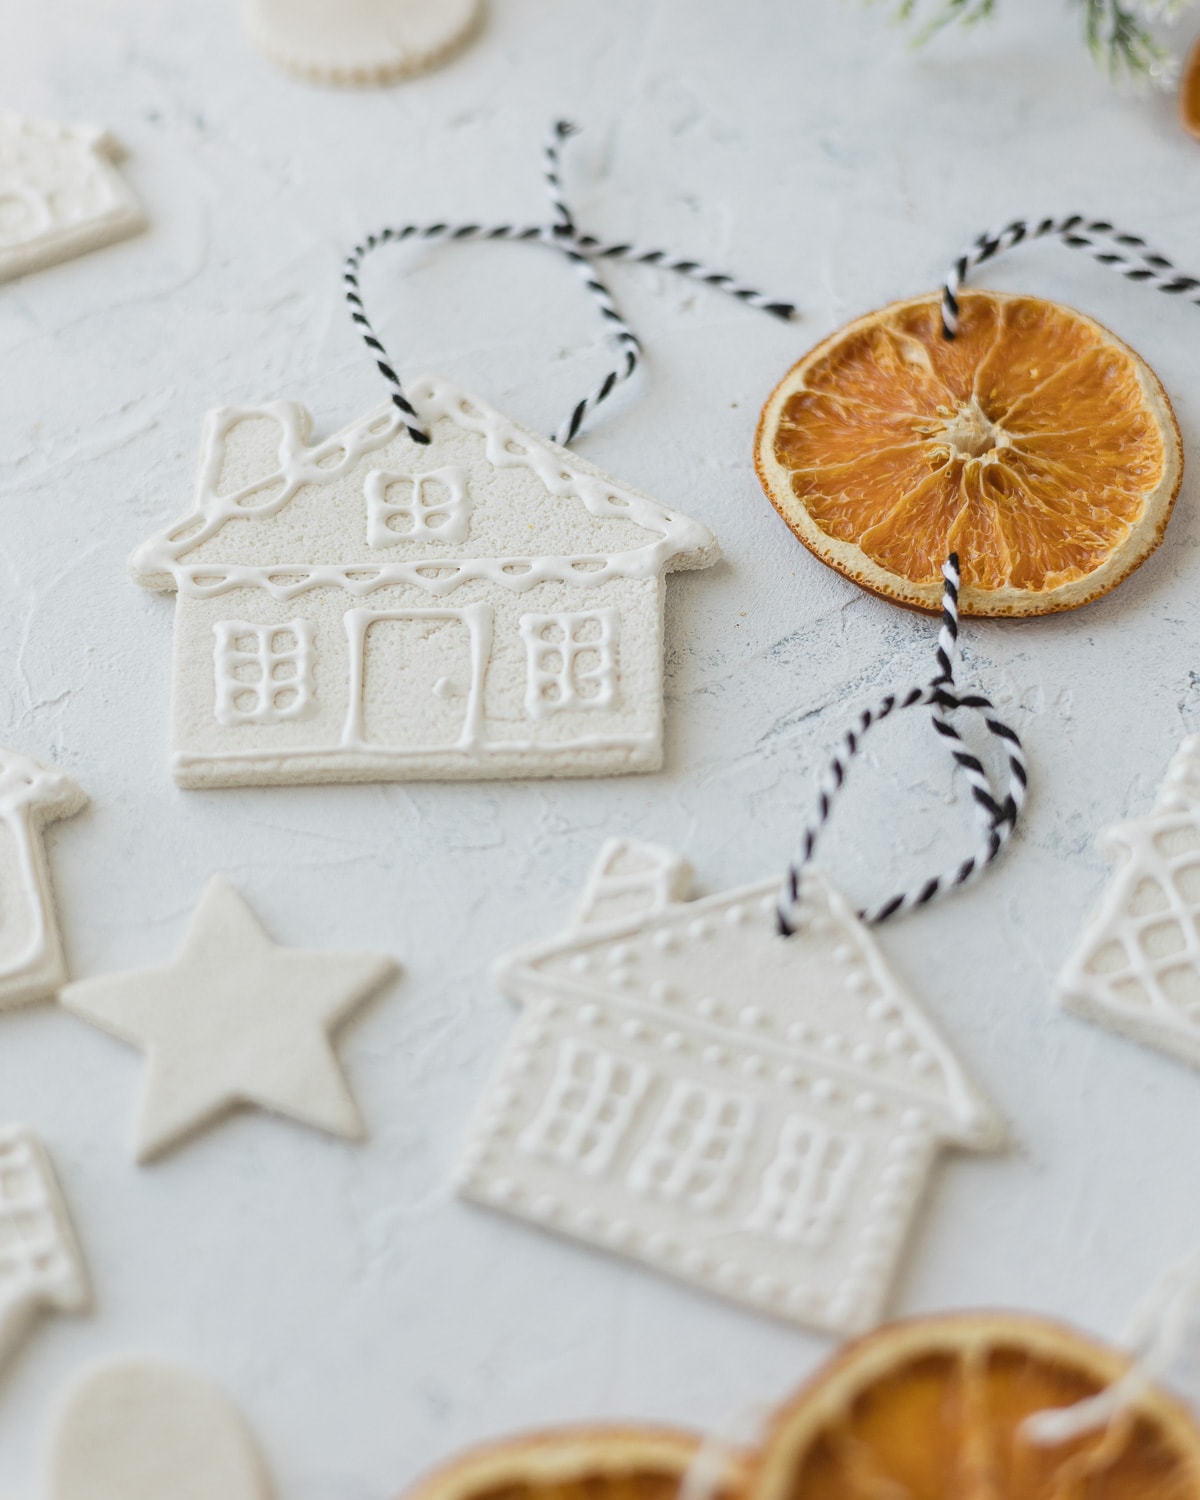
x,y
41,1269
60,193
1136,968
32,966
753,1114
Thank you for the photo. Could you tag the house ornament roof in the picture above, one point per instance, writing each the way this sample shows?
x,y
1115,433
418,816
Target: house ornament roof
x,y
825,995
167,562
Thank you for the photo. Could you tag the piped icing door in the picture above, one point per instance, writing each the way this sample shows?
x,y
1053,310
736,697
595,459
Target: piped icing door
x,y
417,678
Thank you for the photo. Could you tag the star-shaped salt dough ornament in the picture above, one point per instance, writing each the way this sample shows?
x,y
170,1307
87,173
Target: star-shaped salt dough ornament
x,y
234,1020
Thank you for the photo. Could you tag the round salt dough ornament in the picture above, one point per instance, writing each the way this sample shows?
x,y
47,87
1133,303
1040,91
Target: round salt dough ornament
x,y
1013,431
359,42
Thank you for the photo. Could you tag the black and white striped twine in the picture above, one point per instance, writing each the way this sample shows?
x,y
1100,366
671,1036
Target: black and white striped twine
x,y
1127,254
998,813
582,250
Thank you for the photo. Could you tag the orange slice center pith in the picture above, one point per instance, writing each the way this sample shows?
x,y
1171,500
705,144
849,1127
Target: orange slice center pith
x,y
937,1409
1036,445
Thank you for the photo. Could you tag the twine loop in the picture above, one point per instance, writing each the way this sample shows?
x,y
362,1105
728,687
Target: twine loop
x,y
1127,254
582,250
998,812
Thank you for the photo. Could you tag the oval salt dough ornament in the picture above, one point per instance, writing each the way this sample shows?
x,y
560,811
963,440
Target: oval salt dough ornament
x,y
1189,94
138,1430
359,42
1036,445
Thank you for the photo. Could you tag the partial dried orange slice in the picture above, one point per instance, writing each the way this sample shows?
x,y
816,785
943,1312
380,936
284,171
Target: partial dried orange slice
x,y
577,1463
1036,445
1189,93
935,1409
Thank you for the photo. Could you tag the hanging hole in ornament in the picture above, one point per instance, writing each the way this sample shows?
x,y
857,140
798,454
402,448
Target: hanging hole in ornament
x,y
619,502
518,450
469,409
380,424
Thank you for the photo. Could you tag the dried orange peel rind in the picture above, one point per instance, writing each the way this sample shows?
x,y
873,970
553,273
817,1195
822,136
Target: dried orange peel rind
x,y
1037,445
575,1463
933,1409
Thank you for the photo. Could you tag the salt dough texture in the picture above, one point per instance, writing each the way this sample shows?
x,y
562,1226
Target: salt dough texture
x,y
369,1322
31,957
234,1019
134,1429
754,1114
361,42
368,609
41,1269
60,193
1136,968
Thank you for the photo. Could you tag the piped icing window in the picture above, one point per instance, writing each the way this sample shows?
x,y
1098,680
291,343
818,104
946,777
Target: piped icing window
x,y
430,507
264,673
571,661
807,1184
588,1108
696,1149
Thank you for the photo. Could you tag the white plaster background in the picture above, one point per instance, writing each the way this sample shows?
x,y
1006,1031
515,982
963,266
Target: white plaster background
x,y
367,1322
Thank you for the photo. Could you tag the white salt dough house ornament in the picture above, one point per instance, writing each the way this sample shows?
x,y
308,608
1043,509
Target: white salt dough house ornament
x,y
359,42
1136,968
370,609
41,1269
752,1114
31,956
135,1429
60,193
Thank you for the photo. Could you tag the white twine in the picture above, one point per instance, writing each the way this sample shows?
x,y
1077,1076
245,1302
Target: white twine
x,y
1157,1334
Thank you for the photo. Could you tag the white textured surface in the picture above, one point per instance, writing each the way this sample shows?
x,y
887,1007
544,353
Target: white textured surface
x,y
365,1321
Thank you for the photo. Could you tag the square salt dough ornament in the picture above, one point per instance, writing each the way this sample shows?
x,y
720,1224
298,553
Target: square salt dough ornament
x,y
60,193
366,608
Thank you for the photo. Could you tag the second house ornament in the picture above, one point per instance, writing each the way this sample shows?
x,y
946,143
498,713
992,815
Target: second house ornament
x,y
433,592
737,1090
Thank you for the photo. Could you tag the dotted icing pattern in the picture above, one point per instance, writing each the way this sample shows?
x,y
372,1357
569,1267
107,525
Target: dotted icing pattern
x,y
773,1151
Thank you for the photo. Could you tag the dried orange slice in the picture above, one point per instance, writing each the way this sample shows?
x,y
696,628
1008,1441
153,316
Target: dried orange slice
x,y
1036,445
933,1409
576,1463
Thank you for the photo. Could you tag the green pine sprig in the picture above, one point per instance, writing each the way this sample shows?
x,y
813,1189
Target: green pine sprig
x,y
1117,32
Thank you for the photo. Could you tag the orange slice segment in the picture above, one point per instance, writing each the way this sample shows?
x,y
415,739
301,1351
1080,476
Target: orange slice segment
x,y
576,1463
1036,444
935,1409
